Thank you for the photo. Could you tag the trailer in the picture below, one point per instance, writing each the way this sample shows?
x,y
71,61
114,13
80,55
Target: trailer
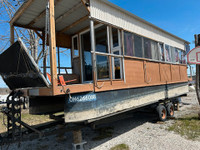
x,y
119,62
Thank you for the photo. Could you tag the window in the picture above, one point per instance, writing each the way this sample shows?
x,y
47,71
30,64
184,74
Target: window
x,y
155,50
138,46
162,56
128,43
75,46
173,55
115,37
176,55
101,39
117,68
167,53
184,57
102,67
147,48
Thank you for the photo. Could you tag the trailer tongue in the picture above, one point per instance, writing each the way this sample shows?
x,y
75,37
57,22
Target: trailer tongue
x,y
19,70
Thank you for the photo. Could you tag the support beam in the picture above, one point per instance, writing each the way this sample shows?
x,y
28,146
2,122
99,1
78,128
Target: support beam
x,y
93,52
42,14
52,47
12,34
66,14
74,24
21,10
41,36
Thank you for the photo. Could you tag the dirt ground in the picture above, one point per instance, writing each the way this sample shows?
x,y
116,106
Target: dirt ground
x,y
139,130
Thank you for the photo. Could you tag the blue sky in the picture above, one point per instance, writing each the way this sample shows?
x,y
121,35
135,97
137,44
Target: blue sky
x,y
179,17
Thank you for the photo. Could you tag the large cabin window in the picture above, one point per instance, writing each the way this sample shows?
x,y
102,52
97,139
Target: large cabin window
x,y
138,46
101,39
102,67
176,55
128,43
155,51
116,50
162,52
147,48
167,53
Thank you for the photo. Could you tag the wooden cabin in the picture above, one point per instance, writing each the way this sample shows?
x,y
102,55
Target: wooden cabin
x,y
119,61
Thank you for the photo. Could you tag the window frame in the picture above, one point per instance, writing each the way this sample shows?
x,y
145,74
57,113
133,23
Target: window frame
x,y
73,37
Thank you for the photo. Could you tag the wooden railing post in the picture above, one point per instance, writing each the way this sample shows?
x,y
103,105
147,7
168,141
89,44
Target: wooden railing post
x,y
52,46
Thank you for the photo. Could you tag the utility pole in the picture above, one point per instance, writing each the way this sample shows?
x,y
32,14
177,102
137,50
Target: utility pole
x,y
197,43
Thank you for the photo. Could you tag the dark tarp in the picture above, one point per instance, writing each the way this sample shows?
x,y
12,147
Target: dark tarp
x,y
19,70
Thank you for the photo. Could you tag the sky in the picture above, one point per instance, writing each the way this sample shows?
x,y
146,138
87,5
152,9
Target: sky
x,y
179,17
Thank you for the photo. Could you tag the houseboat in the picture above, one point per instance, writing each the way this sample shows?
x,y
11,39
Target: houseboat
x,y
119,62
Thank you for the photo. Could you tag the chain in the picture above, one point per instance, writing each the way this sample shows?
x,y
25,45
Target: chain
x,y
46,29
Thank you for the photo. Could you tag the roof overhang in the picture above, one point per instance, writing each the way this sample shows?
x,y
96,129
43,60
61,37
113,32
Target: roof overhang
x,y
71,16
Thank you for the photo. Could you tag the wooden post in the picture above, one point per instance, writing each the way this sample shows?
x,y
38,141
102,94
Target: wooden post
x,y
12,34
52,46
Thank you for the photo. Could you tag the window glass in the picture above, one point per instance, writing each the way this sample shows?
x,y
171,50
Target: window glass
x,y
138,46
75,47
167,53
117,68
176,55
115,37
147,48
180,56
102,67
173,55
162,56
155,51
86,56
101,39
128,43
184,57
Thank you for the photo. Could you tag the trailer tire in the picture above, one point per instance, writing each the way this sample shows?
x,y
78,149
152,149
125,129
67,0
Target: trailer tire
x,y
162,112
170,109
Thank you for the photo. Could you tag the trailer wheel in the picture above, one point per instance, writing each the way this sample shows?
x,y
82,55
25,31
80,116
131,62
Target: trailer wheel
x,y
162,112
170,109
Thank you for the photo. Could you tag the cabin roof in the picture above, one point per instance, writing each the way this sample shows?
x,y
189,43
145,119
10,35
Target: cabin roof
x,y
71,16
32,15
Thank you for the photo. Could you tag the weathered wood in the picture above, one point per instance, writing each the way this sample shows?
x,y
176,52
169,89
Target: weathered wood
x,y
21,10
12,34
77,136
74,24
53,47
85,3
41,36
27,27
60,18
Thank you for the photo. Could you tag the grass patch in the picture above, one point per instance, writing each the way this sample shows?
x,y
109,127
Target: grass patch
x,y
120,147
103,133
187,126
27,118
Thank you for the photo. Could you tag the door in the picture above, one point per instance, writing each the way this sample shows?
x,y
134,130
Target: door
x,y
86,57
115,35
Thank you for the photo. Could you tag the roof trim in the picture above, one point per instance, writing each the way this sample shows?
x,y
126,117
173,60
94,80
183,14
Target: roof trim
x,y
142,20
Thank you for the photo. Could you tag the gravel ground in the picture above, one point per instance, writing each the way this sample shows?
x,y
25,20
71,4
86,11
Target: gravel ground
x,y
139,130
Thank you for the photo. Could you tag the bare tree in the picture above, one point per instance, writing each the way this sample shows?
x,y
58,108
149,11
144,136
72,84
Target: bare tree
x,y
7,10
